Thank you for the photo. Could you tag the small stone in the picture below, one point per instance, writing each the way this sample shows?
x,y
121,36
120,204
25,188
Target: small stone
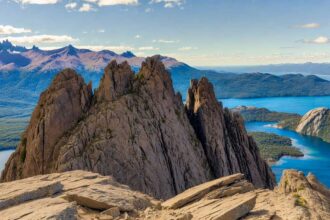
x,y
114,212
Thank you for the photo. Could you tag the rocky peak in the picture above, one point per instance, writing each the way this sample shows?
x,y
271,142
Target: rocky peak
x,y
116,81
127,54
199,93
137,130
225,142
155,78
59,108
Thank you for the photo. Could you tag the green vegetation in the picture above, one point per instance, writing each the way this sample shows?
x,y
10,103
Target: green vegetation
x,y
272,147
299,200
23,154
254,85
251,113
289,123
285,120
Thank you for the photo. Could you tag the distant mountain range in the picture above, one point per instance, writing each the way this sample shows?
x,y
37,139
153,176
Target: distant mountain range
x,y
25,73
13,58
303,68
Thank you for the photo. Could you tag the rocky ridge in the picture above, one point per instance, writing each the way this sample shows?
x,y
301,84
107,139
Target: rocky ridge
x,y
85,195
136,128
316,123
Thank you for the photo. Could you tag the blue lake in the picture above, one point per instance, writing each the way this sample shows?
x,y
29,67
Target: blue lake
x,y
317,152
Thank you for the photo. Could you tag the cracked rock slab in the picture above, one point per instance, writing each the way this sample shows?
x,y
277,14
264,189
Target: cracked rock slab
x,y
199,191
47,208
26,190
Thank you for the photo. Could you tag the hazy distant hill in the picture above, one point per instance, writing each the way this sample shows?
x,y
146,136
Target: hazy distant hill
x,y
304,68
267,85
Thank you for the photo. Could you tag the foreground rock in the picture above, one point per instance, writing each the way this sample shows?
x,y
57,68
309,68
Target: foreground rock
x,y
137,129
296,197
316,123
66,195
84,195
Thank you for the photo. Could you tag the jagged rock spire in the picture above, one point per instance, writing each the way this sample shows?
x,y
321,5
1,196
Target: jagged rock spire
x,y
227,146
116,81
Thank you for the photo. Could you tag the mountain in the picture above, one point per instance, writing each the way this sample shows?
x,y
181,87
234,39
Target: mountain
x,y
137,129
303,68
316,123
248,85
16,58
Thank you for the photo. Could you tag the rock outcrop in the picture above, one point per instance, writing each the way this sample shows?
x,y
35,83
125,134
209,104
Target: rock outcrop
x,y
85,195
316,123
137,129
70,195
296,197
227,146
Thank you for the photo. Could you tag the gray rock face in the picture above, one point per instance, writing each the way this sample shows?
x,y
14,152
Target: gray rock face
x,y
136,129
227,146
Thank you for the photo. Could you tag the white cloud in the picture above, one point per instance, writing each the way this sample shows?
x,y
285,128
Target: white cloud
x,y
71,6
147,48
165,41
318,40
86,7
38,2
137,36
117,2
36,39
168,3
115,48
308,26
187,48
91,1
101,31
7,30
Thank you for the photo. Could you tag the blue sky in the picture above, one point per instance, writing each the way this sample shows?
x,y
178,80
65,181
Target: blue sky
x,y
199,32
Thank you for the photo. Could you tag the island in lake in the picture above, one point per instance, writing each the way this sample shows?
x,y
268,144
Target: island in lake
x,y
315,123
272,146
